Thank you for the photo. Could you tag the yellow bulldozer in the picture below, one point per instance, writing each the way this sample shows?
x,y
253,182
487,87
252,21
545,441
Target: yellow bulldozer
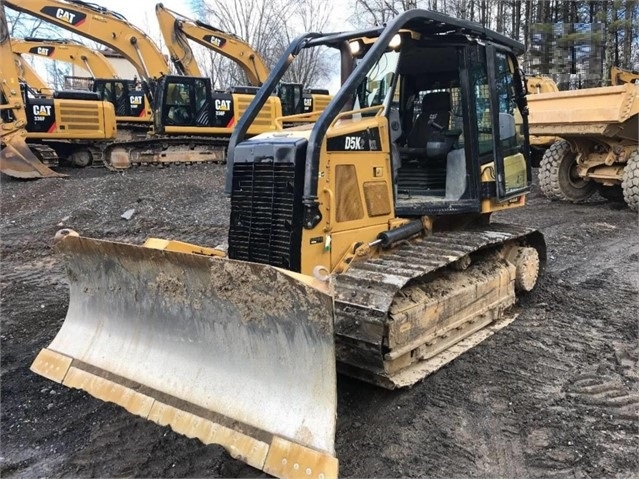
x,y
360,241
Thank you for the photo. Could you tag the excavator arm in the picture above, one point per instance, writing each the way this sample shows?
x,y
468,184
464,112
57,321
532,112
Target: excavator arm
x,y
178,29
16,159
68,51
103,26
176,42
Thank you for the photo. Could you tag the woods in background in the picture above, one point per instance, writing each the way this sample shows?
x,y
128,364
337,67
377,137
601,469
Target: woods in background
x,y
575,42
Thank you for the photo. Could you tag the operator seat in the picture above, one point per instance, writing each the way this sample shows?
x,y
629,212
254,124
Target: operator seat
x,y
434,118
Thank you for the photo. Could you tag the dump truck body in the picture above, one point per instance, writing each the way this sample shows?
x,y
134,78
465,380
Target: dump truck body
x,y
598,130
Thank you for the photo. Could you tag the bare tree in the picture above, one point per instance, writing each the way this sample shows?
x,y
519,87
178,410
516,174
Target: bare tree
x,y
22,25
268,26
313,67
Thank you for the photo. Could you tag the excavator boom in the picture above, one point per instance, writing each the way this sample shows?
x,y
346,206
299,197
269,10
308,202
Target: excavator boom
x,y
178,29
103,26
68,51
27,74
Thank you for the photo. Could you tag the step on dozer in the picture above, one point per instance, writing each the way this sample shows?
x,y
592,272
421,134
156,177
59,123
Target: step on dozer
x,y
359,240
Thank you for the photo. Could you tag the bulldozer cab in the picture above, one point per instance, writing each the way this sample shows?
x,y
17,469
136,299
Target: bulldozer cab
x,y
451,110
442,108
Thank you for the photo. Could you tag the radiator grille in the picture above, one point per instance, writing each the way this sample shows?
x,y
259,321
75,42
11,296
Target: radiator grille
x,y
265,224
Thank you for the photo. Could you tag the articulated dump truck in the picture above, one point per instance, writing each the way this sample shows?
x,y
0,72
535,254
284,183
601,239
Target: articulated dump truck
x,y
596,132
359,242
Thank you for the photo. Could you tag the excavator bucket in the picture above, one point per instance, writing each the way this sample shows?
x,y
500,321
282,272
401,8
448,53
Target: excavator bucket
x,y
233,353
17,160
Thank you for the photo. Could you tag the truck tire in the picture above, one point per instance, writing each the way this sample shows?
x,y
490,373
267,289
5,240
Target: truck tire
x,y
557,177
630,183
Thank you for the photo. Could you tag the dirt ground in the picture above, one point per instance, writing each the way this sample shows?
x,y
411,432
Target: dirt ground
x,y
553,395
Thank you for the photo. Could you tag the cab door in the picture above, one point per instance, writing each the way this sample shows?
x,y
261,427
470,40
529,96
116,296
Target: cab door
x,y
513,175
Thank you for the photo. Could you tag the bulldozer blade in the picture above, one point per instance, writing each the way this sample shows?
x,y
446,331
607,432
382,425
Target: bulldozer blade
x,y
17,160
233,353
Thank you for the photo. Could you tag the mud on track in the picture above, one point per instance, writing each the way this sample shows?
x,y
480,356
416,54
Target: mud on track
x,y
555,394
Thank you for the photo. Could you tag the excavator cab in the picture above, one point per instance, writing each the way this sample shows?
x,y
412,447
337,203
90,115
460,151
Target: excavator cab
x,y
186,102
127,97
291,96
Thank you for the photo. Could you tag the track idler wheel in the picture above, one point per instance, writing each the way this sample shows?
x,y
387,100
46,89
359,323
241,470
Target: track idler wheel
x,y
526,262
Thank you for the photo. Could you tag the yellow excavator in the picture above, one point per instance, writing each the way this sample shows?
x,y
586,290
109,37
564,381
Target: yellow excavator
x,y
132,109
191,122
360,241
16,158
177,30
38,131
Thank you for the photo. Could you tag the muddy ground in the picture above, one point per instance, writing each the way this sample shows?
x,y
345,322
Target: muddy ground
x,y
553,395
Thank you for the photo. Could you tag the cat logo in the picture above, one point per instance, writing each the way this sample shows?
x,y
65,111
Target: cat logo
x,y
215,41
42,110
42,51
308,102
353,143
223,105
136,100
65,15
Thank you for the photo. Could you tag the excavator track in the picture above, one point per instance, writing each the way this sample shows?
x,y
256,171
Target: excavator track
x,y
45,154
164,151
388,309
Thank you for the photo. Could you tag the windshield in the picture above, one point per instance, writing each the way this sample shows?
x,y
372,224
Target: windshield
x,y
378,81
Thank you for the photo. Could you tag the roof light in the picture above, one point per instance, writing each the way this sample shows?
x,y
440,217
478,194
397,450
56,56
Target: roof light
x,y
395,42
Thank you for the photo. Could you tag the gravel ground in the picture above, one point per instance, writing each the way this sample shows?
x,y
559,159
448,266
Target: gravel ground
x,y
553,395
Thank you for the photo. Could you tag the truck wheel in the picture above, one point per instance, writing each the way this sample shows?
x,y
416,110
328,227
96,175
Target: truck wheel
x,y
558,177
630,183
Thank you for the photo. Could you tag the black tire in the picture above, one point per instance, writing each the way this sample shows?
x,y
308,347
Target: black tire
x,y
611,193
557,177
630,183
